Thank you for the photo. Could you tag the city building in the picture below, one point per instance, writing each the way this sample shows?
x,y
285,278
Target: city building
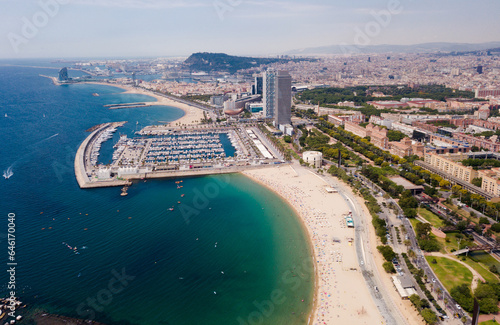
x,y
491,181
483,93
401,127
441,150
484,112
258,86
63,74
450,164
346,104
404,286
444,141
269,92
424,126
380,121
409,186
428,103
388,104
218,100
255,107
406,147
313,158
356,129
378,136
478,142
490,124
340,120
283,114
240,103
278,96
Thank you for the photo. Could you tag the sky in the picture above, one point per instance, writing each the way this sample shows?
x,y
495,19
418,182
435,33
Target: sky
x,y
164,28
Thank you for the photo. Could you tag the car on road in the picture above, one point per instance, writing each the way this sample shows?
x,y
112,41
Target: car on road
x,y
443,317
458,307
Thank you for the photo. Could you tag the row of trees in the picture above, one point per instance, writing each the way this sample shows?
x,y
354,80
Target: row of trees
x,y
318,141
424,308
363,94
388,254
487,295
279,145
421,278
358,144
481,163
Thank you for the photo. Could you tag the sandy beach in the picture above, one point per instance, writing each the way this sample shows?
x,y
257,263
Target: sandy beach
x,y
341,295
192,115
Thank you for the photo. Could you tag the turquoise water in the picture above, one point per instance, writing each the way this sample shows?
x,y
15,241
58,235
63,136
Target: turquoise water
x,y
231,252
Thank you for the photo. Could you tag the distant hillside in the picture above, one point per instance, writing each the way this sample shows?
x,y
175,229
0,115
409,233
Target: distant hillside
x,y
416,48
209,62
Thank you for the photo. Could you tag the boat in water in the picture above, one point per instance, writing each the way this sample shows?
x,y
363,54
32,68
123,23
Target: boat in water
x,y
8,173
95,95
124,191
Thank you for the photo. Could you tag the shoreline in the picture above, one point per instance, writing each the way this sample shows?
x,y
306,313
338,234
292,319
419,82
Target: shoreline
x,y
334,271
303,225
192,115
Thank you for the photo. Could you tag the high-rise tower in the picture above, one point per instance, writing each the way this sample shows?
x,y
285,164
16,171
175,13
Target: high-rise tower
x,y
63,74
278,96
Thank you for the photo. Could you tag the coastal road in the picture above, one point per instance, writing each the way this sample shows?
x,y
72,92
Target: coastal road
x,y
420,261
364,249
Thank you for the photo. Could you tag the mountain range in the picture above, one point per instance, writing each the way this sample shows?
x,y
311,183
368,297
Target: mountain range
x,y
386,48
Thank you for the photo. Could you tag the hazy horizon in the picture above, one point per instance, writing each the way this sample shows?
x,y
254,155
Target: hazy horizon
x,y
177,28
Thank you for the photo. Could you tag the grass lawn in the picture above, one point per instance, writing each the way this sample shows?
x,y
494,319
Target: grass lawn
x,y
481,261
490,322
485,259
435,221
453,243
449,272
482,270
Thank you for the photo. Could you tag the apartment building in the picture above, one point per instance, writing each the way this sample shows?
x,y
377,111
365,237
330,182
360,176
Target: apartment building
x,y
378,136
356,129
491,181
450,163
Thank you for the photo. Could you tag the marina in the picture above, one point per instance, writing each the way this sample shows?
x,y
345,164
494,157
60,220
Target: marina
x,y
162,152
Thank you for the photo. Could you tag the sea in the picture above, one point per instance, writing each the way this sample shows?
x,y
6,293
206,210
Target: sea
x,y
230,252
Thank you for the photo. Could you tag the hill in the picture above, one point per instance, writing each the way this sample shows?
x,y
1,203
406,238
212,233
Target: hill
x,y
220,62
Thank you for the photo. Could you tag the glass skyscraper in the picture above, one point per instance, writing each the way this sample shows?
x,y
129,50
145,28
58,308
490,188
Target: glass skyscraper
x,y
278,96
